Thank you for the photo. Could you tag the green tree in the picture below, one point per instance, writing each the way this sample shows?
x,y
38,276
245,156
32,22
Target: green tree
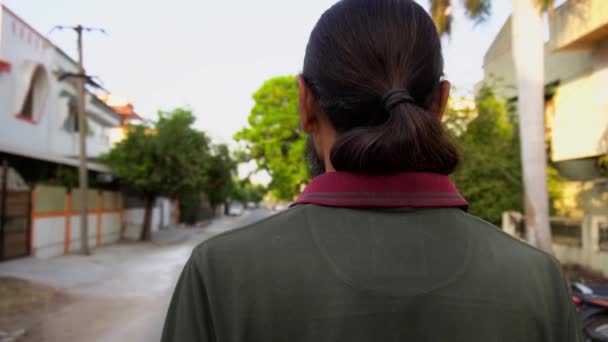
x,y
167,159
244,191
442,13
256,193
220,173
490,175
274,138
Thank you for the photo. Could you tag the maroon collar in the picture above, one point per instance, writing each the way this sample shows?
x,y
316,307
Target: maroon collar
x,y
408,189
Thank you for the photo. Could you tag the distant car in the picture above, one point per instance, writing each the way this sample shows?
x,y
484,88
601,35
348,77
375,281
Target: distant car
x,y
236,209
251,205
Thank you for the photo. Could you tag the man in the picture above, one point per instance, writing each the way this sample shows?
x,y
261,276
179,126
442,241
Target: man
x,y
379,246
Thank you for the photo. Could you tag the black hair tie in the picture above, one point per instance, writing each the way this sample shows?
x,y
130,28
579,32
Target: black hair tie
x,y
395,97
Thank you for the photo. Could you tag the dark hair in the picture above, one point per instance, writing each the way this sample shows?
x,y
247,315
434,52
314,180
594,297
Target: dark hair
x,y
361,50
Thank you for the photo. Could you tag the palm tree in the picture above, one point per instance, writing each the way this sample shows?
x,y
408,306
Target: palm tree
x,y
528,56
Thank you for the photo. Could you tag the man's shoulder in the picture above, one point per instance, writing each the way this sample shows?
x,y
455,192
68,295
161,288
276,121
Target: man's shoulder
x,y
509,246
257,233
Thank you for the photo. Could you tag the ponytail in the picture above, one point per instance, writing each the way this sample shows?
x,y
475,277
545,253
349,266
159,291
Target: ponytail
x,y
411,139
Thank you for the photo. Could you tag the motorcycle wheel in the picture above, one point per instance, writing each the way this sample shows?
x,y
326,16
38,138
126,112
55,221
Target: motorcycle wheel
x,y
596,329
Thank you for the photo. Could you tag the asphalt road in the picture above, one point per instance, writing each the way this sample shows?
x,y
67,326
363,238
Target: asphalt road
x,y
119,293
151,328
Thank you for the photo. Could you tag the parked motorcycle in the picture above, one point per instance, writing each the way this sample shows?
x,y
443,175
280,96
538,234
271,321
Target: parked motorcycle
x,y
592,308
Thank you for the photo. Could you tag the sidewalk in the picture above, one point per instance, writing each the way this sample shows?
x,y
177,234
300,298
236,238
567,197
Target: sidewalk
x,y
124,268
119,293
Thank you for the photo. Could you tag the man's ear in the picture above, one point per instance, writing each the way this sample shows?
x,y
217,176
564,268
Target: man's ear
x,y
441,101
309,116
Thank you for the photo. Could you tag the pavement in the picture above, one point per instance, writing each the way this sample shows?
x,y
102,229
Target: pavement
x,y
122,290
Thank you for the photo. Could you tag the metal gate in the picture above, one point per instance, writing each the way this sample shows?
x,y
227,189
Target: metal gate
x,y
15,206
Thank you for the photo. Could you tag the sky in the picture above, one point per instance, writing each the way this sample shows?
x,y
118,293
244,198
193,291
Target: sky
x,y
212,55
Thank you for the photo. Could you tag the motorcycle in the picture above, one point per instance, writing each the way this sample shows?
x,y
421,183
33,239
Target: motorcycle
x,y
592,309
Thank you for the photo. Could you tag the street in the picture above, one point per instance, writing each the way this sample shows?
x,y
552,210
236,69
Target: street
x,y
119,293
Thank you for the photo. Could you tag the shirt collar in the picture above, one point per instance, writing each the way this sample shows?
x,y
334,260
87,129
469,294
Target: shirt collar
x,y
408,189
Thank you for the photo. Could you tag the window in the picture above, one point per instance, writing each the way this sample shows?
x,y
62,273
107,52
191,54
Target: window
x,y
567,232
71,123
603,236
35,98
28,106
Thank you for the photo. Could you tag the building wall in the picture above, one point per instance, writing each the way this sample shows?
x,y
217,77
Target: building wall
x,y
27,50
23,49
600,65
580,106
499,68
55,220
161,218
577,117
589,253
579,23
585,250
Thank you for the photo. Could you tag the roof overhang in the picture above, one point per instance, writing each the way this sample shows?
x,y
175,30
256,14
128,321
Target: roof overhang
x,y
579,24
49,157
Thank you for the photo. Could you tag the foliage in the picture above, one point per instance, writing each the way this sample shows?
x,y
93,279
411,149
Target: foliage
x,y
490,177
255,193
220,174
67,176
476,10
274,138
169,159
193,207
602,164
441,12
244,191
545,5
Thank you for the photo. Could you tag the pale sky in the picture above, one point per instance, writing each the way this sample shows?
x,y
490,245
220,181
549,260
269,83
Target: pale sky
x,y
211,55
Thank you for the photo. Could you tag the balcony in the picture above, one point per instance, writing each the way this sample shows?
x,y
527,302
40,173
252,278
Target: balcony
x,y
579,24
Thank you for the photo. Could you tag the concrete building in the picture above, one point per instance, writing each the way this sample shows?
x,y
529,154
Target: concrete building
x,y
37,106
39,151
576,117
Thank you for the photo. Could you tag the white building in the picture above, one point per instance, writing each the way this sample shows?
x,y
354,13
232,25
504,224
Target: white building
x,y
39,130
37,110
576,123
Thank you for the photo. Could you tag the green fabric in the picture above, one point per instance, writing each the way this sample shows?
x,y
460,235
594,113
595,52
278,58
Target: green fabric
x,y
316,273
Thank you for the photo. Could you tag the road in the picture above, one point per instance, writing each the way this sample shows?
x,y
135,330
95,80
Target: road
x,y
120,293
152,326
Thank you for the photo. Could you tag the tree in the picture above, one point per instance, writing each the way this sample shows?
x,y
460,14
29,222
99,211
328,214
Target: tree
x,y
490,176
167,159
441,12
528,55
256,192
244,191
274,138
220,173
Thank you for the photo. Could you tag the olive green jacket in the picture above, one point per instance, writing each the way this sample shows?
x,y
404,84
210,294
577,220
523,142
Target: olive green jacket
x,y
371,258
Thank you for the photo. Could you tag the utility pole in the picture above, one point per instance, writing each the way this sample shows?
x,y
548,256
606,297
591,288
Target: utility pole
x,y
83,181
